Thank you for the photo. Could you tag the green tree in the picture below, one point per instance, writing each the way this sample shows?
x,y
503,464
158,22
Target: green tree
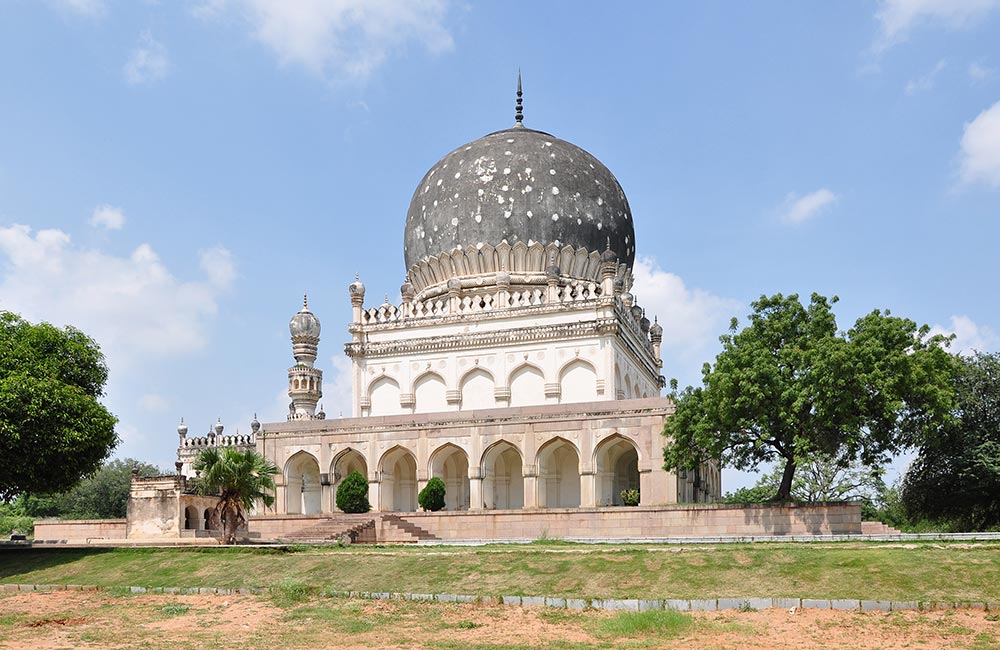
x,y
104,495
431,498
818,478
352,493
53,429
956,474
790,386
240,479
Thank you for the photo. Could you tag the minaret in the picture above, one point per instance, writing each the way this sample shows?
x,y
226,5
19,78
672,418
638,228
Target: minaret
x,y
305,382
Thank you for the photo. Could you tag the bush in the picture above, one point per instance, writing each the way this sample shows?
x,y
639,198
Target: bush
x,y
630,497
352,493
432,496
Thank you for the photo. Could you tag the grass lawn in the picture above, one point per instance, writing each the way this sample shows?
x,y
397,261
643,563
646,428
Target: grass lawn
x,y
888,571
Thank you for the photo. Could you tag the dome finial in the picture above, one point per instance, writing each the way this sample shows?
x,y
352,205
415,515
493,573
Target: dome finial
x,y
305,300
519,115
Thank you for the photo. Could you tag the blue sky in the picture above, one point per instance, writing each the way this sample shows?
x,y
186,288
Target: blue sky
x,y
173,175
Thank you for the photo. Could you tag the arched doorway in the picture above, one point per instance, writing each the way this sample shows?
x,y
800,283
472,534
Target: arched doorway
x,y
191,518
617,464
558,484
347,461
503,482
303,492
450,463
398,490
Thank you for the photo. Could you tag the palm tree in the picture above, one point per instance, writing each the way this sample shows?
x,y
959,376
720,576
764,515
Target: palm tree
x,y
239,479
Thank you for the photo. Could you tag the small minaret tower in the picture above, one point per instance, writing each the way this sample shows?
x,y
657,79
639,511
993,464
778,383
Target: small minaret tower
x,y
305,382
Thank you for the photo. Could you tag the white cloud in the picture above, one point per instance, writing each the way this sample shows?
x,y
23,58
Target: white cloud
x,y
980,148
692,319
798,209
979,72
91,8
133,306
969,336
898,18
925,82
108,217
149,61
217,263
339,38
153,403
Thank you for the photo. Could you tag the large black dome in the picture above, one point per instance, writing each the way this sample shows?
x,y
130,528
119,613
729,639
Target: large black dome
x,y
518,185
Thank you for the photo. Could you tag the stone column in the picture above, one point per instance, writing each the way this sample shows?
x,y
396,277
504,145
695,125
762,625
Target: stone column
x,y
588,489
475,489
375,492
530,489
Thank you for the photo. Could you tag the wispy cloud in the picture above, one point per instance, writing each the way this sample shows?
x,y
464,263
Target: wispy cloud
x,y
925,82
979,156
969,336
132,305
108,217
343,39
798,209
692,318
89,8
980,72
148,62
898,18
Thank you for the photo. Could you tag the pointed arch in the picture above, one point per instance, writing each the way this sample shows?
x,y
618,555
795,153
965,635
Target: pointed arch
x,y
383,395
527,385
558,482
398,475
502,467
477,388
450,463
616,465
303,492
578,382
430,393
344,462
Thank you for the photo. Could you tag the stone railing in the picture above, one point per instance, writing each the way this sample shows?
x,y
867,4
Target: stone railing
x,y
235,440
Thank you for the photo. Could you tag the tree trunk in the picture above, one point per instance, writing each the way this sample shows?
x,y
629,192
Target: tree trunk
x,y
785,489
230,526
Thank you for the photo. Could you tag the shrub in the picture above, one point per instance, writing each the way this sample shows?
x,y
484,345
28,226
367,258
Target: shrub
x,y
630,497
432,496
352,493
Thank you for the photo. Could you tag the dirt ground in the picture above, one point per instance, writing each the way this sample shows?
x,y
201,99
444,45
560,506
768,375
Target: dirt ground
x,y
47,621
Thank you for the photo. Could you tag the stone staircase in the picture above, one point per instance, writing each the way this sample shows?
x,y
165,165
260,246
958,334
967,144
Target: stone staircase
x,y
334,528
878,528
407,532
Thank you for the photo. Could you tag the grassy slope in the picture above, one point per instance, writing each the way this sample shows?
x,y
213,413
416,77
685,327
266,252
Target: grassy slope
x,y
888,572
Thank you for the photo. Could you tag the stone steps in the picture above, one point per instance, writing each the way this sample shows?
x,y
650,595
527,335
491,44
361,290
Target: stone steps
x,y
878,528
331,529
408,529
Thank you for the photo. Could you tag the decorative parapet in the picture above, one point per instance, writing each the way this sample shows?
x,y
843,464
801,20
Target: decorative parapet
x,y
236,440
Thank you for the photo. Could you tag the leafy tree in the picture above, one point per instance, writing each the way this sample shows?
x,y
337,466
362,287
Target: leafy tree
x,y
956,474
352,493
818,478
431,498
790,386
101,496
239,479
53,429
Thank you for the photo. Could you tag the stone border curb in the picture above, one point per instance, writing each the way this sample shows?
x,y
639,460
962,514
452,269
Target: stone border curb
x,y
606,604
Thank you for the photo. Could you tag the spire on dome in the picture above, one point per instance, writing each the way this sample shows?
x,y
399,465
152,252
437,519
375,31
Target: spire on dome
x,y
519,114
305,300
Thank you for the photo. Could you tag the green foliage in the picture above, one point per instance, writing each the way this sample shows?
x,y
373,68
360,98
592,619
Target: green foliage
x,y
818,478
240,479
53,429
630,497
790,386
431,498
101,496
352,493
656,623
956,475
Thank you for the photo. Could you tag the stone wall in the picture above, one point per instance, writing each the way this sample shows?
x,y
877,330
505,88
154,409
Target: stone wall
x,y
78,531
